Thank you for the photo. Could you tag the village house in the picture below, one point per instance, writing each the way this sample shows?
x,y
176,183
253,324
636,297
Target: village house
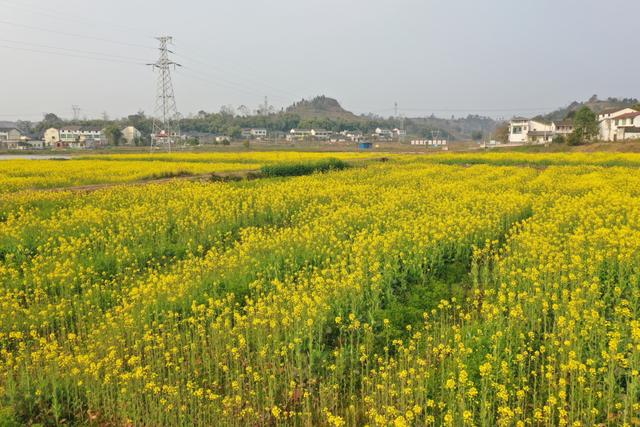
x,y
628,126
530,131
563,127
10,138
537,131
34,144
352,135
73,136
619,124
299,134
399,133
130,135
321,133
383,133
254,133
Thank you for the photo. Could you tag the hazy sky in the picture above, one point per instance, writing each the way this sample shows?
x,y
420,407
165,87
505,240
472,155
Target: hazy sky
x,y
492,57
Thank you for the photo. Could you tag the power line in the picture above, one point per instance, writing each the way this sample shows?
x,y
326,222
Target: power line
x,y
219,82
68,49
70,55
55,14
76,35
260,83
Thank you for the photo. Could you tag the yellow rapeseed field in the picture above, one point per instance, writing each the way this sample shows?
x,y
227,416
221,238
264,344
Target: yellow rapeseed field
x,y
22,174
457,290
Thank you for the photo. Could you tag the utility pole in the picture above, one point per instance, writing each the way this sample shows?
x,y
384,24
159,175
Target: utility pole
x,y
76,112
165,120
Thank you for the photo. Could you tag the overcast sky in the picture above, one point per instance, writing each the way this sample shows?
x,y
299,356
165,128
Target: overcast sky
x,y
491,57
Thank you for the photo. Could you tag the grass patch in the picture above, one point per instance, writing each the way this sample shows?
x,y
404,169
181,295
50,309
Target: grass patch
x,y
303,168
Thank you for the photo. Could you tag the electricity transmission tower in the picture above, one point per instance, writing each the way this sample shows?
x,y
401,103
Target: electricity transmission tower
x,y
165,119
76,112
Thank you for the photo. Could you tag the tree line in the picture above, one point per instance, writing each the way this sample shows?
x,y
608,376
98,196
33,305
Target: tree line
x,y
226,123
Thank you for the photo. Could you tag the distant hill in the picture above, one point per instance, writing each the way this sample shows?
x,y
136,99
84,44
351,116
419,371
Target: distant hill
x,y
322,107
596,105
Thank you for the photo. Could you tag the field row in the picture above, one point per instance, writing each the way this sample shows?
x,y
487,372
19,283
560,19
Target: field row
x,y
18,175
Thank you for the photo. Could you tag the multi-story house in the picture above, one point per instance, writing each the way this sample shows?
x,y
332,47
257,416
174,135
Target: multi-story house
x,y
74,136
608,123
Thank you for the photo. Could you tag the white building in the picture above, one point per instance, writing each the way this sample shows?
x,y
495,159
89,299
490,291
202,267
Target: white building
x,y
254,133
619,124
352,135
299,134
35,144
9,134
383,133
130,134
535,131
564,127
73,136
321,133
259,133
51,137
627,126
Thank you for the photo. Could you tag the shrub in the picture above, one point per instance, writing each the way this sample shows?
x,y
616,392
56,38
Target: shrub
x,y
575,138
559,139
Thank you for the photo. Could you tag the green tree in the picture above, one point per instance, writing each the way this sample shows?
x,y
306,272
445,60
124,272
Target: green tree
x,y
585,124
113,134
50,120
234,132
476,135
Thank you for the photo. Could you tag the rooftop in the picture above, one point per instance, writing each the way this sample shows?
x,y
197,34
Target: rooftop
x,y
613,110
75,128
628,115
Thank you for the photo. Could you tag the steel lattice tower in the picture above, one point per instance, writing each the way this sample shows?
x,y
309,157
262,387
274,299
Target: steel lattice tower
x,y
165,119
